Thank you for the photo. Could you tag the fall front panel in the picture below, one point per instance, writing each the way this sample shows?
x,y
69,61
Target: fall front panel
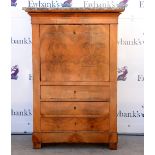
x,y
74,52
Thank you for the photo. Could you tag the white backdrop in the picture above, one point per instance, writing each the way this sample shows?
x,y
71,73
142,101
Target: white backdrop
x,y
130,64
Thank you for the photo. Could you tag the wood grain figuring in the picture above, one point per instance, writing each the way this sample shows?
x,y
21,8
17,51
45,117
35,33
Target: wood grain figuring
x,y
75,83
74,52
113,86
75,124
36,77
36,138
113,52
75,93
113,107
74,108
72,18
75,137
113,137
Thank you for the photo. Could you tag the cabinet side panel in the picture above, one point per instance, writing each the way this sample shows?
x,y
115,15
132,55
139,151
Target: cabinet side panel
x,y
113,78
113,52
36,77
113,112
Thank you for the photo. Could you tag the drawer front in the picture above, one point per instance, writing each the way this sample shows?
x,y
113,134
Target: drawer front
x,y
74,52
75,123
75,93
74,108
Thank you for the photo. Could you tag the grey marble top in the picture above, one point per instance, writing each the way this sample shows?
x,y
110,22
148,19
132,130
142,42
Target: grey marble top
x,y
73,9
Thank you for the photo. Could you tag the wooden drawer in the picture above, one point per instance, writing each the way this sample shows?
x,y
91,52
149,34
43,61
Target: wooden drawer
x,y
74,108
75,93
75,123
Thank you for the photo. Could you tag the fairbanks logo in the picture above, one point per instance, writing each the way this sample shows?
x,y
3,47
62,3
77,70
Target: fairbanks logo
x,y
122,73
31,3
51,4
24,112
14,72
13,3
132,114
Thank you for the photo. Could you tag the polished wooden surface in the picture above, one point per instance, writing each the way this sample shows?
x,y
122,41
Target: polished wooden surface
x,y
74,108
75,93
74,52
36,78
75,137
75,75
73,123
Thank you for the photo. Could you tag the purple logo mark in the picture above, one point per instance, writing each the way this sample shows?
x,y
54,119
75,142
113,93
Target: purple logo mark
x,y
123,3
122,72
14,72
13,2
67,3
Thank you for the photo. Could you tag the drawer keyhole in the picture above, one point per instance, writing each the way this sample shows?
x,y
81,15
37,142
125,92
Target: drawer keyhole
x,y
74,107
75,123
74,91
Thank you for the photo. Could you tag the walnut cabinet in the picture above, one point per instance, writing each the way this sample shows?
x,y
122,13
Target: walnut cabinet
x,y
74,75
